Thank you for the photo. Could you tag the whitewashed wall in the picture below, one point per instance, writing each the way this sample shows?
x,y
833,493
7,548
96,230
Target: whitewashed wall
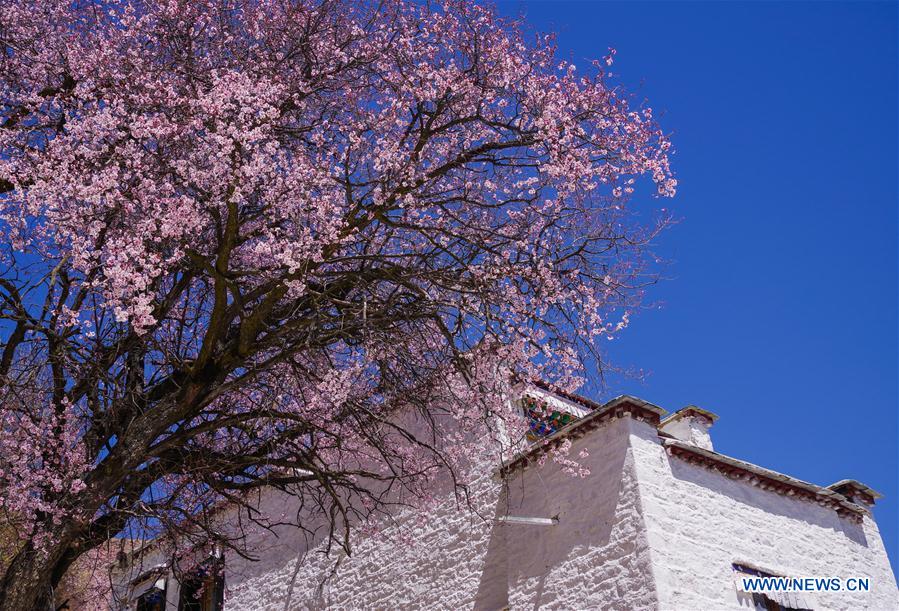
x,y
433,563
595,557
643,531
699,522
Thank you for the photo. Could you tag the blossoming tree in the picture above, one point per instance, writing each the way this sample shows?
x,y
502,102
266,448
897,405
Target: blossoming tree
x,y
242,240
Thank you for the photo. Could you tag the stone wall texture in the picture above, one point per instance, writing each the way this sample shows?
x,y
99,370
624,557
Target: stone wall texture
x,y
458,558
700,522
644,530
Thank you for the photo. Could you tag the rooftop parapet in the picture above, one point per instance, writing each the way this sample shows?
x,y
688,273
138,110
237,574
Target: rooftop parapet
x,y
691,425
856,491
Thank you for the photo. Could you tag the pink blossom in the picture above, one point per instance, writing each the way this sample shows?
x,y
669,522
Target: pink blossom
x,y
301,244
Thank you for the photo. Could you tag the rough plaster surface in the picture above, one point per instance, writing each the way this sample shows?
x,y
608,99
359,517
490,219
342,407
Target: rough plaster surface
x,y
435,563
597,556
643,530
699,522
691,431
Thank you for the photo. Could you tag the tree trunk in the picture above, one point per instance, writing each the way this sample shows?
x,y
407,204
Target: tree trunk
x,y
32,576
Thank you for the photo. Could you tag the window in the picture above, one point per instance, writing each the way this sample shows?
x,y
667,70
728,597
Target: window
x,y
768,601
203,589
153,599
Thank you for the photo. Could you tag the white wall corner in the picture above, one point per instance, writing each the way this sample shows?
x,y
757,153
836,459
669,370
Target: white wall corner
x,y
690,425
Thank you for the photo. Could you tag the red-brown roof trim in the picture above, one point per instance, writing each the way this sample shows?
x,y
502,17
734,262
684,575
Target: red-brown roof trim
x,y
625,405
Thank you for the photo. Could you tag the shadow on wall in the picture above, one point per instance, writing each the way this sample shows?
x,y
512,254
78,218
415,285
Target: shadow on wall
x,y
493,588
594,530
765,500
280,543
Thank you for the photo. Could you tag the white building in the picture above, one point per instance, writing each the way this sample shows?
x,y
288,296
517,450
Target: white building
x,y
662,521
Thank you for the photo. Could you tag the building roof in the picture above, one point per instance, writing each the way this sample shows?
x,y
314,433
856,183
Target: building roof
x,y
763,478
831,496
853,487
617,407
690,410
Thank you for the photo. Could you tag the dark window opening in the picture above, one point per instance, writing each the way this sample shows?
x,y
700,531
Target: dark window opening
x,y
152,600
203,589
769,601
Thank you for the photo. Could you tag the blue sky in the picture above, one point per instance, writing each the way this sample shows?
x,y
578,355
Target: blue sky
x,y
780,308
